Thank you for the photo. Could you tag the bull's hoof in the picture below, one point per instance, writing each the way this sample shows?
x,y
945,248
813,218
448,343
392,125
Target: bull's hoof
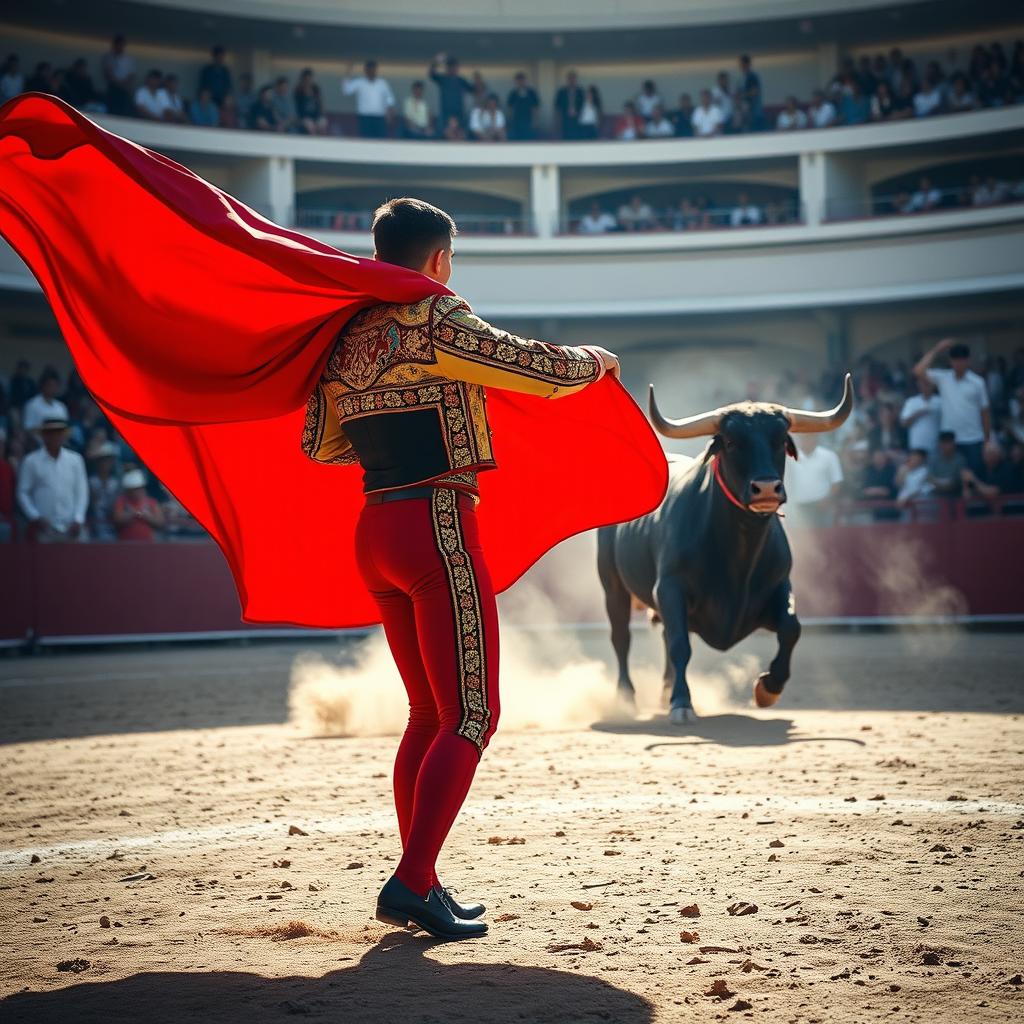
x,y
763,697
681,716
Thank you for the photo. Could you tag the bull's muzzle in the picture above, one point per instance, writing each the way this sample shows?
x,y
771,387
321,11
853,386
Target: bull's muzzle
x,y
765,494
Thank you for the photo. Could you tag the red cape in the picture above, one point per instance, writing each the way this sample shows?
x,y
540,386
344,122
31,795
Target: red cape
x,y
200,328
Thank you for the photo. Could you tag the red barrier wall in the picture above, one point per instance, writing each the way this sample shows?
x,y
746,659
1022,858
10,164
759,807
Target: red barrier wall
x,y
954,567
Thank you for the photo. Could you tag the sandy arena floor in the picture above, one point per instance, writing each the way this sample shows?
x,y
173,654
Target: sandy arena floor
x,y
854,855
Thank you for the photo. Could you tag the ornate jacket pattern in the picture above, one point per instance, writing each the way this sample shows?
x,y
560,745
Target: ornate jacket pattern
x,y
434,355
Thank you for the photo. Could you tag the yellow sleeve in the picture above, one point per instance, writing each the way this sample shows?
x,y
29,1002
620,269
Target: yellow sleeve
x,y
468,348
323,440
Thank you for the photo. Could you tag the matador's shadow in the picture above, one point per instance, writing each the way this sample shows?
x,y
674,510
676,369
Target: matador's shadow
x,y
394,981
728,730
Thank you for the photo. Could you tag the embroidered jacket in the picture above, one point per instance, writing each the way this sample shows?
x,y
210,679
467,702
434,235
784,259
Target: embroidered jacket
x,y
402,392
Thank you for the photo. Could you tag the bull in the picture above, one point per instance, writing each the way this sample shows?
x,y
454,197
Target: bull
x,y
713,558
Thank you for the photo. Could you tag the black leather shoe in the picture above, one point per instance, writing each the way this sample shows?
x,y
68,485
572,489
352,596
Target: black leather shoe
x,y
397,904
464,911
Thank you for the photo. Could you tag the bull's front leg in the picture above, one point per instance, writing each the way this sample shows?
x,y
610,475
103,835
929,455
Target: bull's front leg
x,y
781,617
671,600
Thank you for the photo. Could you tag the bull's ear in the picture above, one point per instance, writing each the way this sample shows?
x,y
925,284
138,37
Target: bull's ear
x,y
712,449
791,447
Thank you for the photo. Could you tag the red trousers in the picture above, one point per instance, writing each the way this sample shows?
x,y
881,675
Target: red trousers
x,y
421,560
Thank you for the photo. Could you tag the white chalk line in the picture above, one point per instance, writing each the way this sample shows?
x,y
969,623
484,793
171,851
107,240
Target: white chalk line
x,y
14,858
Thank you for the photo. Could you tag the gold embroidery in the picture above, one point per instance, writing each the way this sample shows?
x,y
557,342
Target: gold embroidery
x,y
333,450
469,638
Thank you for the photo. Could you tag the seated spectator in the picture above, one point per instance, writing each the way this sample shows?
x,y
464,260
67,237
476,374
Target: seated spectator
x,y
913,479
203,111
647,100
523,104
151,99
52,489
659,126
744,212
597,221
119,68
417,122
821,113
79,90
947,466
487,122
813,482
262,117
927,197
688,216
960,96
104,487
903,101
453,130
683,117
854,106
12,81
309,105
791,117
45,405
929,99
880,476
883,103
707,119
136,515
636,215
630,124
991,193
216,76
589,124
229,116
375,102
721,96
996,475
175,102
41,80
7,485
245,98
284,107
920,417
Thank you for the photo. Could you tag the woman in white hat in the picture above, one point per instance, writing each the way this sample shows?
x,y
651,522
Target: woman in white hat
x,y
136,515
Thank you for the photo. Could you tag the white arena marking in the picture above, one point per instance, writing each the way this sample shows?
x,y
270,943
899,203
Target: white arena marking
x,y
361,821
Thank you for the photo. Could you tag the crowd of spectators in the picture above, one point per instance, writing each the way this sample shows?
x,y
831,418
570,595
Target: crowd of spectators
x,y
879,88
919,435
67,475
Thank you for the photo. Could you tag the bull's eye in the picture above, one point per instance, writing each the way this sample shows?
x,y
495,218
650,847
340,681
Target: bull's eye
x,y
730,445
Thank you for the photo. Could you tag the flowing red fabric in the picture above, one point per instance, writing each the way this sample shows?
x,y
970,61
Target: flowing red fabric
x,y
201,328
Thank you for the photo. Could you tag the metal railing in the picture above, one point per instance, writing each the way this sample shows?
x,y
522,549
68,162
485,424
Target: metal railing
x,y
916,202
709,218
360,220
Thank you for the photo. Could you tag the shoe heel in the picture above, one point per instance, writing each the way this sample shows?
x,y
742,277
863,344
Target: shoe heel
x,y
390,917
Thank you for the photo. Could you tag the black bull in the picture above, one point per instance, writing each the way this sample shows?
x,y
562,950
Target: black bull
x,y
713,558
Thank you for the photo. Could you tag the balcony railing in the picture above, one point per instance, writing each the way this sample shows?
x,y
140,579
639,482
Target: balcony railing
x,y
917,202
486,224
692,218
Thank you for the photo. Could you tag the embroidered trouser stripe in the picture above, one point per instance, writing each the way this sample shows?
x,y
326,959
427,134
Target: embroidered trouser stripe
x,y
466,613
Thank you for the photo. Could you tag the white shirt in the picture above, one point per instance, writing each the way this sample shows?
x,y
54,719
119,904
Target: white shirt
x,y
707,121
12,85
823,116
598,225
924,431
923,200
484,122
745,215
417,112
659,129
963,398
645,104
926,103
916,483
630,214
589,113
810,478
154,103
55,488
786,121
38,409
723,101
373,97
119,66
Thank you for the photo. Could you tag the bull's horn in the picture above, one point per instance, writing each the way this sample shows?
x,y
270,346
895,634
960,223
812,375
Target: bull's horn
x,y
801,422
703,425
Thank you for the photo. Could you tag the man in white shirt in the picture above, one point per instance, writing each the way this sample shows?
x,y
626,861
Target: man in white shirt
x,y
636,215
927,197
44,405
375,102
913,478
151,99
721,95
659,126
597,221
745,212
921,416
53,491
416,120
647,100
812,482
487,122
791,117
929,100
822,112
119,74
707,118
965,405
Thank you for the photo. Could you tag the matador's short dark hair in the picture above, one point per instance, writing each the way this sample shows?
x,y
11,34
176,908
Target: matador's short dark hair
x,y
406,231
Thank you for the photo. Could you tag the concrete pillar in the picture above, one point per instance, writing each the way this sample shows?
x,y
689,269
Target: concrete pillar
x,y
545,199
833,187
812,187
267,184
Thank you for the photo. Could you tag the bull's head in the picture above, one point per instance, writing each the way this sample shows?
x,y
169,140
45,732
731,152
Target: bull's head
x,y
751,440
